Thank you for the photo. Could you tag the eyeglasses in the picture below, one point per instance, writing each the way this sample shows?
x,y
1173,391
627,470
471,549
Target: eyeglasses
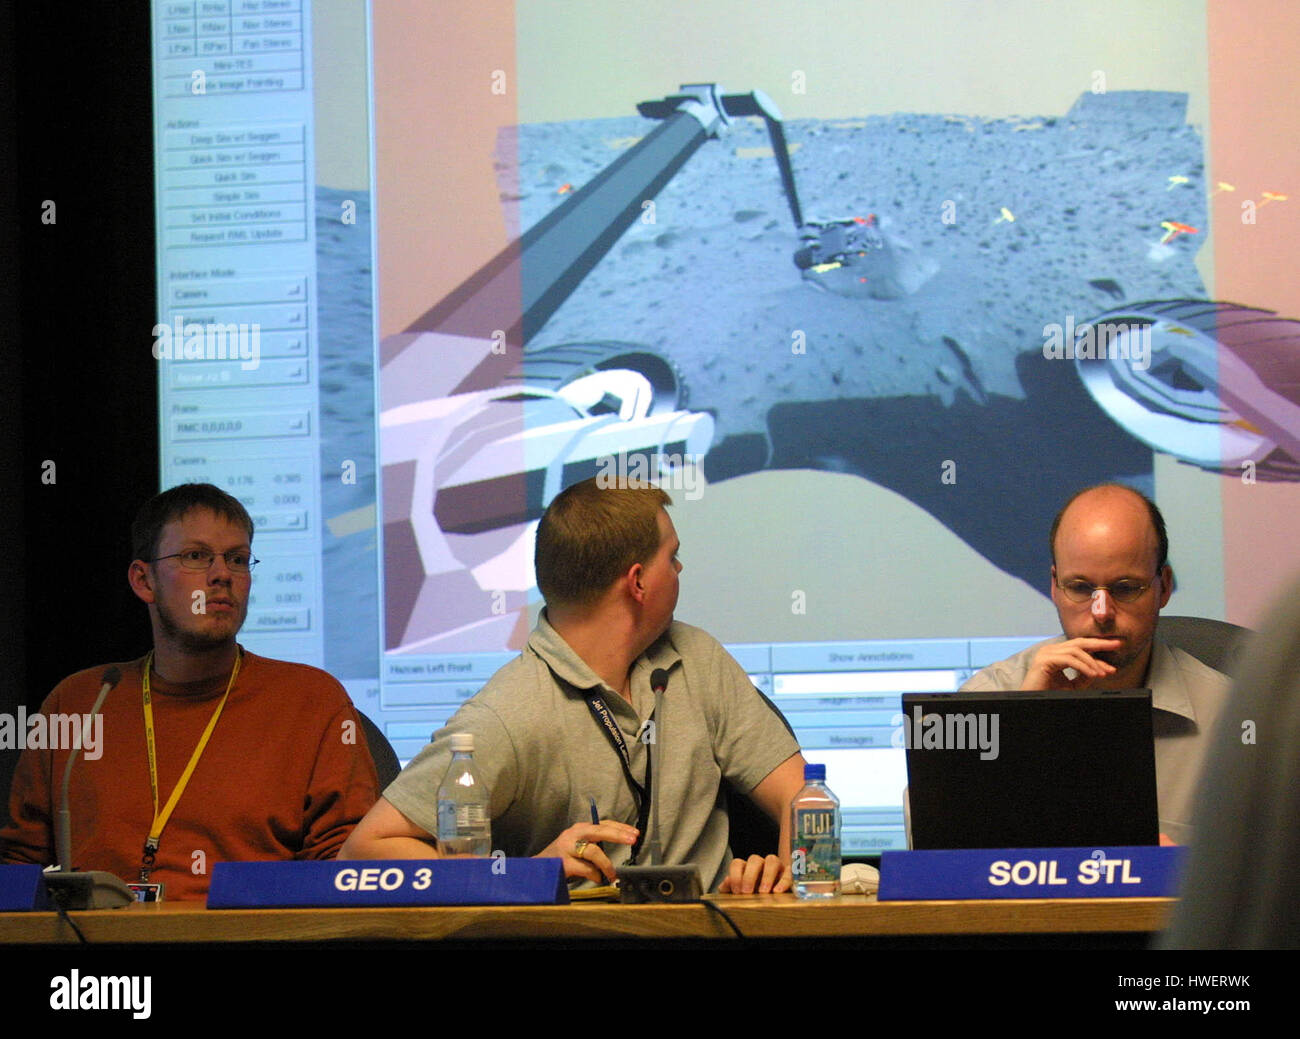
x,y
1125,591
240,560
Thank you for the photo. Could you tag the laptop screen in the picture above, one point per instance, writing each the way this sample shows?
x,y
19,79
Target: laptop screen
x,y
1030,769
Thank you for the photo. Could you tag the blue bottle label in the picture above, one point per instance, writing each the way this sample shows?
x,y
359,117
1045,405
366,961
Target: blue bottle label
x,y
816,856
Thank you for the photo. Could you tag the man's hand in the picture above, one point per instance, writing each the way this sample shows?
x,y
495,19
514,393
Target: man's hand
x,y
585,859
773,795
1047,671
757,874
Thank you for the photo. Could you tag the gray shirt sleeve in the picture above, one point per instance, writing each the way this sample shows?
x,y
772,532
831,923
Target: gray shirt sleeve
x,y
749,738
1006,674
414,792
991,679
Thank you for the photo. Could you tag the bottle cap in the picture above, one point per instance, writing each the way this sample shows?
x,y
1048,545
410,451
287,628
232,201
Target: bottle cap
x,y
462,743
811,773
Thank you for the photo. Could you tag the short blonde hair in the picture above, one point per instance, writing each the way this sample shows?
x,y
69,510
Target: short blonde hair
x,y
590,535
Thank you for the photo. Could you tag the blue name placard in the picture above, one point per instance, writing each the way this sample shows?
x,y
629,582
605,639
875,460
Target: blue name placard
x,y
22,888
388,882
1146,871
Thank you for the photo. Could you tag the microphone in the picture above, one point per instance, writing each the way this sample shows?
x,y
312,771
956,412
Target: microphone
x,y
95,889
63,836
652,882
658,683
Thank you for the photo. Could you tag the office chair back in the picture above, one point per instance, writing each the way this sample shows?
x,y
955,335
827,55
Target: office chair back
x,y
385,758
1216,644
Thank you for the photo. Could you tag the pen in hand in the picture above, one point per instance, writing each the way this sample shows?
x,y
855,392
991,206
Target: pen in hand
x,y
595,817
595,821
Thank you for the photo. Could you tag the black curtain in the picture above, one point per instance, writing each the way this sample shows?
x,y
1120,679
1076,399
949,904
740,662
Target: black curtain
x,y
79,449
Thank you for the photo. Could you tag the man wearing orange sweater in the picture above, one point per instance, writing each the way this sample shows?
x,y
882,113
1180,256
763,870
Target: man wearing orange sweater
x,y
206,753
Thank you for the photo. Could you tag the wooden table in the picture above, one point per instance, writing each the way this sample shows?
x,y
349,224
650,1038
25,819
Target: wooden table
x,y
757,916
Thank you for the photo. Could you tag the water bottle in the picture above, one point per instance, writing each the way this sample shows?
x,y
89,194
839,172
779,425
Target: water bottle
x,y
815,837
464,823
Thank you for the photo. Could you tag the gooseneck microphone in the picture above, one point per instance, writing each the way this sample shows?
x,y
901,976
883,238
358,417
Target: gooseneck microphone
x,y
95,889
63,833
652,852
658,683
652,881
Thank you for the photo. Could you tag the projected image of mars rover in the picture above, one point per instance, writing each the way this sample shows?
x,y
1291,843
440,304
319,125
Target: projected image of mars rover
x,y
859,257
479,434
468,472
1218,385
479,431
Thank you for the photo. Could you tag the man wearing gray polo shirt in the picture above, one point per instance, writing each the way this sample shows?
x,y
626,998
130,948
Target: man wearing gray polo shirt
x,y
607,567
1110,580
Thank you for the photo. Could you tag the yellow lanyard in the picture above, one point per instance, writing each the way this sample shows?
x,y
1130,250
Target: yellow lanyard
x,y
160,818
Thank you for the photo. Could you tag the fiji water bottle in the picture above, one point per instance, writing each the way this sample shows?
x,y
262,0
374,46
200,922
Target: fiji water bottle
x,y
815,837
464,823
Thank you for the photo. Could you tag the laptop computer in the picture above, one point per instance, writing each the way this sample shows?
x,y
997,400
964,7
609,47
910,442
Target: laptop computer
x,y
1031,769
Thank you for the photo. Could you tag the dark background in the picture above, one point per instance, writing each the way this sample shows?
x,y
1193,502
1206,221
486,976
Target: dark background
x,y
77,379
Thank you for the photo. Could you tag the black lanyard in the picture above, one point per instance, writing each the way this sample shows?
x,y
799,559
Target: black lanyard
x,y
641,794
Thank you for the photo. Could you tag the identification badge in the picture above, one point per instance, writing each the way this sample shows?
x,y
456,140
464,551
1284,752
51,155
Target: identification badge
x,y
147,892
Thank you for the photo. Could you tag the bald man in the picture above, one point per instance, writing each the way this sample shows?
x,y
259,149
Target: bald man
x,y
1110,580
